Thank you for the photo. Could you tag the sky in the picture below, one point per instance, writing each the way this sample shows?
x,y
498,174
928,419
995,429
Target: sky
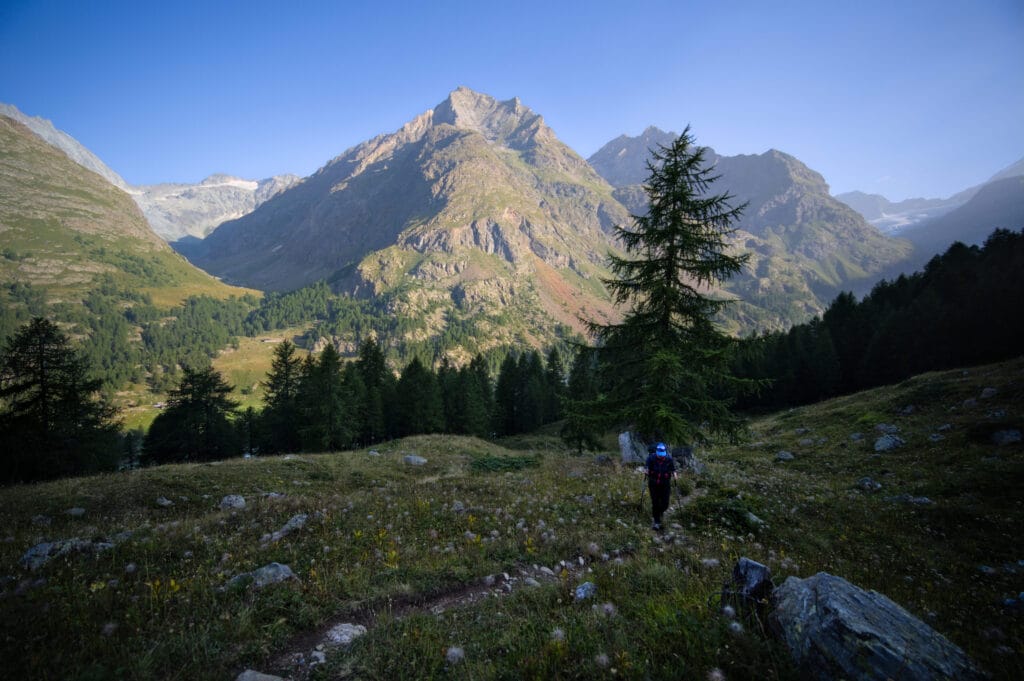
x,y
899,98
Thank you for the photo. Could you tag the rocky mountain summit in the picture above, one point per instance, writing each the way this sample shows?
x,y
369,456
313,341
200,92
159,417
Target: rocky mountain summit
x,y
473,206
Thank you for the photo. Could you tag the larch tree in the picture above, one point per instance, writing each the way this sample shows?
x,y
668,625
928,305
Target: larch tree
x,y
665,368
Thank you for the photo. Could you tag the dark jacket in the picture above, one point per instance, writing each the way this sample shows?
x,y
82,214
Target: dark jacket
x,y
660,469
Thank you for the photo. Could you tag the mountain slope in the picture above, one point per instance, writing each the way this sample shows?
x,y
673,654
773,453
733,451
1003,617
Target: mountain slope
x,y
74,150
63,227
472,208
805,245
998,204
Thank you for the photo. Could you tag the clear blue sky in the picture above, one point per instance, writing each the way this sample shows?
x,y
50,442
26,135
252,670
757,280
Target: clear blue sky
x,y
900,98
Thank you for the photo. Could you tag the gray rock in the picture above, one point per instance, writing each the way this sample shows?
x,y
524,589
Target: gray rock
x,y
834,629
164,502
910,499
530,581
296,522
414,460
751,581
232,501
869,485
632,448
806,442
802,431
996,414
888,442
856,437
252,675
455,655
887,428
988,393
936,437
585,590
264,576
373,452
1006,437
342,635
42,553
784,456
76,512
458,506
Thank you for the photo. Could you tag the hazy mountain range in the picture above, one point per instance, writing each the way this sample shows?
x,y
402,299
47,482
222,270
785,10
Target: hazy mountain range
x,y
895,217
475,216
173,211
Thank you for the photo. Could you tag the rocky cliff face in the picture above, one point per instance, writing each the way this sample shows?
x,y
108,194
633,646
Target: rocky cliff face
x,y
804,245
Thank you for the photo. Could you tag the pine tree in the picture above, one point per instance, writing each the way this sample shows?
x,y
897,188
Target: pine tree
x,y
324,404
280,419
52,422
665,368
581,427
419,407
196,424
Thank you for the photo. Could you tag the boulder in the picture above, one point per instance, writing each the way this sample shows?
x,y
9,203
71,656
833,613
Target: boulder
x,y
632,448
751,587
834,630
271,573
232,501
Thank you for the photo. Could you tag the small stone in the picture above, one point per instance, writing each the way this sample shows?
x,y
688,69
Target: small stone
x,y
342,635
414,460
944,427
806,442
373,452
530,581
988,393
856,437
585,590
784,456
869,485
164,502
253,675
1006,437
887,428
455,655
130,569
317,657
936,437
232,501
76,512
802,431
710,563
458,506
888,442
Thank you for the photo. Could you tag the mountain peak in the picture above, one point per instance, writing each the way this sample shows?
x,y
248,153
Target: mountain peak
x,y
498,121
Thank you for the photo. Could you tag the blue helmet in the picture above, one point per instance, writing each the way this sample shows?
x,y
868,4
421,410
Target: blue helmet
x,y
660,449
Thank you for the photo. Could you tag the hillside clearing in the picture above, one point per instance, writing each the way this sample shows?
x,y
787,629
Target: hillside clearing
x,y
399,546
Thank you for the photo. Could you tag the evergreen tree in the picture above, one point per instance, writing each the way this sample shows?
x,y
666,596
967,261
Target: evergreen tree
x,y
665,368
581,427
532,392
378,382
196,424
554,380
280,419
325,407
419,408
506,397
52,422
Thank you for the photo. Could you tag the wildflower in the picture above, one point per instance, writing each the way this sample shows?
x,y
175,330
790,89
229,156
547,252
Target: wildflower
x,y
735,627
729,611
558,635
454,655
601,660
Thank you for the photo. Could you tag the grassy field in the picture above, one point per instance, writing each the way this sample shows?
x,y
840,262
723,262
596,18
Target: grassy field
x,y
407,551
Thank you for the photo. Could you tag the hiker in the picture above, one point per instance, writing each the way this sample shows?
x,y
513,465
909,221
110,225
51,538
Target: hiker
x,y
660,472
